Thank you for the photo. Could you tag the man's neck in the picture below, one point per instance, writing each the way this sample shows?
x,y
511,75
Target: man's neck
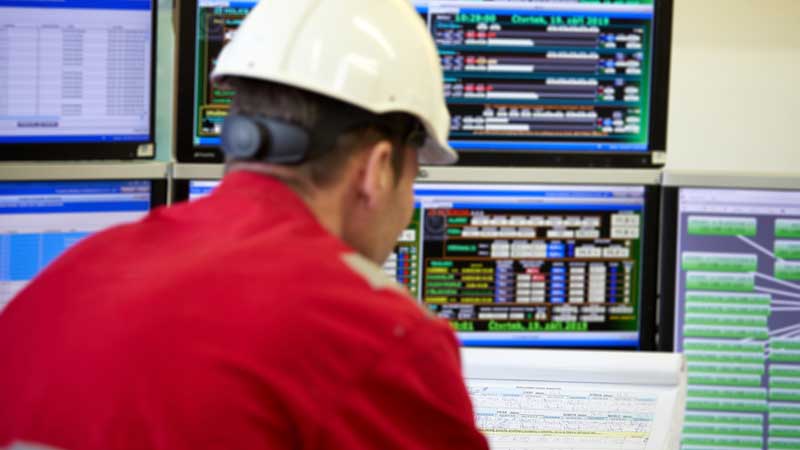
x,y
325,204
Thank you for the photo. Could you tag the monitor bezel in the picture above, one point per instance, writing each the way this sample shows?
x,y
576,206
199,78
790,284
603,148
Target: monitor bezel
x,y
187,152
185,61
668,257
128,150
180,190
159,189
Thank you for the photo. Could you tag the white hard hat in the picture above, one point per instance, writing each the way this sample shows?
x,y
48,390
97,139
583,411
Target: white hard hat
x,y
374,54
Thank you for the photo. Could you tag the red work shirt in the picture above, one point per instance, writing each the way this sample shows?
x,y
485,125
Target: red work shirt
x,y
233,322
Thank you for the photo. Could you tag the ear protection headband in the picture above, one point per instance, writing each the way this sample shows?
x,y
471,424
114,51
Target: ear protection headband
x,y
264,139
274,141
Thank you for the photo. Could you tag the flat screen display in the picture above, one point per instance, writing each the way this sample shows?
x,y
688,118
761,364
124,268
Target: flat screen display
x,y
526,265
737,315
41,220
526,82
75,72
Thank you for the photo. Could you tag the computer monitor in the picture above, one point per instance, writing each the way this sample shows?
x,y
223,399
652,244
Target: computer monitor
x,y
527,265
533,264
77,79
39,220
540,82
731,303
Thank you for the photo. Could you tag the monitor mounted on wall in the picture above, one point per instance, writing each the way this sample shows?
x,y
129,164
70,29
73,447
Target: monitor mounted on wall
x,y
528,83
77,79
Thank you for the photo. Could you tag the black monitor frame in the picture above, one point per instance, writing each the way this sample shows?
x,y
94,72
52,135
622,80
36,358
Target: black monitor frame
x,y
649,280
659,104
649,290
669,254
158,193
180,190
185,14
668,272
186,152
143,150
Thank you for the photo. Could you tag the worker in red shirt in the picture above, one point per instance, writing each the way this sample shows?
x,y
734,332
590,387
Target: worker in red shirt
x,y
258,317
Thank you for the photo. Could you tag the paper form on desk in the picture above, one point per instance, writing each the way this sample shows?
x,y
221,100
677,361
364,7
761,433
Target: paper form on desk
x,y
563,400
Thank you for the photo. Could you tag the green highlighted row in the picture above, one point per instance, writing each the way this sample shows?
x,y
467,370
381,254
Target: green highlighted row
x,y
783,445
729,420
789,395
790,432
461,248
741,347
760,394
787,228
723,431
785,344
726,369
781,356
785,421
784,383
728,321
725,406
695,331
720,281
722,226
780,372
787,249
440,277
787,270
746,358
720,262
437,284
784,409
728,298
725,309
721,443
724,381
734,310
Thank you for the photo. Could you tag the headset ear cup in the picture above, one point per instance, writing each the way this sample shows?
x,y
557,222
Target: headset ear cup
x,y
264,139
290,143
243,137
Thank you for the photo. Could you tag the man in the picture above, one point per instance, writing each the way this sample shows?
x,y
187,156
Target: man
x,y
258,316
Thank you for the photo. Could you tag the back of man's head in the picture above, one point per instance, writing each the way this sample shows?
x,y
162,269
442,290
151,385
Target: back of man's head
x,y
332,64
325,159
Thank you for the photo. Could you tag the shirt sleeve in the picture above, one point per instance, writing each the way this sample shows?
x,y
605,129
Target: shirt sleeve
x,y
414,398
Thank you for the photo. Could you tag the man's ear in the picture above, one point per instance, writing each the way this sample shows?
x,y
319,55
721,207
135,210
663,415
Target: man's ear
x,y
377,176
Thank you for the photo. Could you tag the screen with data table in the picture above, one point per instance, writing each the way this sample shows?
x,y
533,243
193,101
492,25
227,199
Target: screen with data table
x,y
41,220
76,71
559,77
736,278
528,265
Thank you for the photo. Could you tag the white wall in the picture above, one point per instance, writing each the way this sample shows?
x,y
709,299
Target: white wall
x,y
735,88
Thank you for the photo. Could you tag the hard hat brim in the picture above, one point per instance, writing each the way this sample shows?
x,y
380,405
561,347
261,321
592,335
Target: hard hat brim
x,y
435,154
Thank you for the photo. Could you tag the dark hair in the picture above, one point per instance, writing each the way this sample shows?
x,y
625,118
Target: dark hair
x,y
309,110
